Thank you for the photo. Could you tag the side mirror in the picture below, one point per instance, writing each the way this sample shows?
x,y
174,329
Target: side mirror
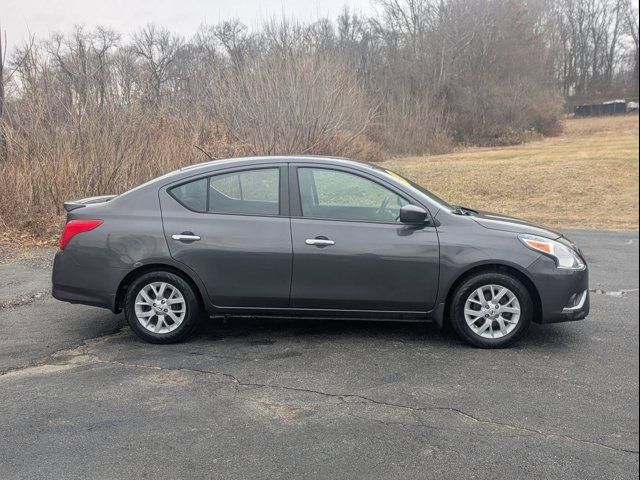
x,y
413,214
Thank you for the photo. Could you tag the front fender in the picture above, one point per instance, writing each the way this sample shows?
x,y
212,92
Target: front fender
x,y
468,247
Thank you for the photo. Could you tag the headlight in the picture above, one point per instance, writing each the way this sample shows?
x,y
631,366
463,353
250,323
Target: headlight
x,y
564,256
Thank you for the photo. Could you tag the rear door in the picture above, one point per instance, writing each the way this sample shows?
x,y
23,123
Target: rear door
x,y
349,250
232,228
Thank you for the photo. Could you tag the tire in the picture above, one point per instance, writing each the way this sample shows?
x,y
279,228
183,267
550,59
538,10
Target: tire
x,y
170,319
491,324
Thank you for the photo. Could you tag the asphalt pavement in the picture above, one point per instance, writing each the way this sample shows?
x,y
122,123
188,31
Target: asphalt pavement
x,y
82,397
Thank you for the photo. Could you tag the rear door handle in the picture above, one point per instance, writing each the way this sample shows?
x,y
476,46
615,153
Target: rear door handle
x,y
319,242
186,237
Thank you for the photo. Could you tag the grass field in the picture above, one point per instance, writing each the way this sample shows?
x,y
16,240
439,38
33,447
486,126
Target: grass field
x,y
587,177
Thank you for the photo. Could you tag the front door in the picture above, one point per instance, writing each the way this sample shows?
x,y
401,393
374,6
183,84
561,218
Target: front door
x,y
232,230
349,250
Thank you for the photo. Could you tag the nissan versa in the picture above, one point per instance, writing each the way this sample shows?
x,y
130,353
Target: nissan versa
x,y
316,238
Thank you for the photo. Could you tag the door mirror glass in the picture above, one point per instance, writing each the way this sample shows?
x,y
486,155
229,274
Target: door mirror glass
x,y
413,214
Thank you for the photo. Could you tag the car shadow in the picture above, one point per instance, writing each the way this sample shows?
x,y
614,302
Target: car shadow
x,y
267,331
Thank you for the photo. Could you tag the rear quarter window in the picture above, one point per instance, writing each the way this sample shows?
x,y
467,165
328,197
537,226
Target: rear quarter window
x,y
192,195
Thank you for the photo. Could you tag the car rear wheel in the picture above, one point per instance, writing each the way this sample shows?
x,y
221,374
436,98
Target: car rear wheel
x,y
161,307
491,310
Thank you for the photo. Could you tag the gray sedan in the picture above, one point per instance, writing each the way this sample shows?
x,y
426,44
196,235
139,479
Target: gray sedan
x,y
312,238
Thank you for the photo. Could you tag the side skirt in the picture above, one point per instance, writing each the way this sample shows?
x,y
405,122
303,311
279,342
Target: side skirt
x,y
311,314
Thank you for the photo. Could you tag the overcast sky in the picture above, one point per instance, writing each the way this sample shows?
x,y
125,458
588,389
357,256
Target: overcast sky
x,y
42,17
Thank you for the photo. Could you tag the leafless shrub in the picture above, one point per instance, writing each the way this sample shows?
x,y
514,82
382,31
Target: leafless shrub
x,y
90,113
294,104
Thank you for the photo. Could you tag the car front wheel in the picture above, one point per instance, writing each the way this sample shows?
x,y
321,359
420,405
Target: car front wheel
x,y
491,310
161,307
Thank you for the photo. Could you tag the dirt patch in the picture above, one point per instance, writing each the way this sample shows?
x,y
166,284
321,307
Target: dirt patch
x,y
282,411
59,362
23,300
167,377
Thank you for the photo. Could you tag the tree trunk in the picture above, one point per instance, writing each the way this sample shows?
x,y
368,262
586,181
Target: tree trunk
x,y
4,148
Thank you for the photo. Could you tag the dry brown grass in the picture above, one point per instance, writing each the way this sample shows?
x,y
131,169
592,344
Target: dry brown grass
x,y
587,177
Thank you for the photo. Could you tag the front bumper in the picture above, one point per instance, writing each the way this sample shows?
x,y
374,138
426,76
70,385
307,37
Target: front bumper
x,y
564,294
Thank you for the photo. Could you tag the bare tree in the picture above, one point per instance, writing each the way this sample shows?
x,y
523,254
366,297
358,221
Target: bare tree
x,y
4,152
630,13
234,39
158,48
6,75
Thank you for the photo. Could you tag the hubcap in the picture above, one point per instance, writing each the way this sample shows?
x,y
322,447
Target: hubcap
x,y
492,311
160,307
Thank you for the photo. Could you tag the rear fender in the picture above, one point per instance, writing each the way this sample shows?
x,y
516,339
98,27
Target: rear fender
x,y
165,264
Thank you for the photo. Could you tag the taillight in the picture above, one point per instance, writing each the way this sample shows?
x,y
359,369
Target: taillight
x,y
74,227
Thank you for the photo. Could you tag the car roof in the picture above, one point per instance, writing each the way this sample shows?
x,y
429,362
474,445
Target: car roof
x,y
274,159
213,165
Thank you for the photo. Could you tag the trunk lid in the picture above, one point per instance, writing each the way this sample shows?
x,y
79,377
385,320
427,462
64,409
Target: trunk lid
x,y
83,202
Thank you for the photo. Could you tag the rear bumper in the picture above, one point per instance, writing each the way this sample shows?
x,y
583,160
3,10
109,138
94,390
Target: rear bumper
x,y
80,295
74,283
564,294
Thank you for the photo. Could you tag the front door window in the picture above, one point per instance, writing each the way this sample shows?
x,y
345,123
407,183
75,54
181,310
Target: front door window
x,y
338,195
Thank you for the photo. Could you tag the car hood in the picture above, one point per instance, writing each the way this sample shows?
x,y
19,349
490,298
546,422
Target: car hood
x,y
495,221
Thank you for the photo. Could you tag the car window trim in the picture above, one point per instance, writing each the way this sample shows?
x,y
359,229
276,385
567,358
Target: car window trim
x,y
283,188
296,201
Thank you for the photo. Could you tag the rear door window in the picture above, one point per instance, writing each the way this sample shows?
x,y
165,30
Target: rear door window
x,y
250,192
246,192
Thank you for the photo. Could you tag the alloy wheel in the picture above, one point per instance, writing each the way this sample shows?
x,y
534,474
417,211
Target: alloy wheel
x,y
160,307
492,311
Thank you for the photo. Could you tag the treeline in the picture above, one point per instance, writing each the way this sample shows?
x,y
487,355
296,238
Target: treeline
x,y
592,46
92,112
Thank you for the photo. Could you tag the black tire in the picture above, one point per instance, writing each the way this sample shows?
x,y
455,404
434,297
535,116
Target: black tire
x,y
474,282
191,318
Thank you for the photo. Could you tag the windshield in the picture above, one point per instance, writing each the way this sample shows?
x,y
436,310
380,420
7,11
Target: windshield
x,y
417,188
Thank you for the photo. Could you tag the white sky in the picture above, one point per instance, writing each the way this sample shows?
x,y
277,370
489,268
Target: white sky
x,y
42,17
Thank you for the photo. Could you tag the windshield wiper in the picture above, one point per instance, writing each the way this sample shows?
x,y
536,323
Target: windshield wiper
x,y
459,210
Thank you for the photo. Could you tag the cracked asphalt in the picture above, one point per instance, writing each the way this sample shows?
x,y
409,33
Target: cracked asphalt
x,y
82,397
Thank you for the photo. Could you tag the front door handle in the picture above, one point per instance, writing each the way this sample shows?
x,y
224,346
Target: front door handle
x,y
319,242
186,237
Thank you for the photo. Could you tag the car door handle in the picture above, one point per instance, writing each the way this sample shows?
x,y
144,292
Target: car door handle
x,y
186,237
319,242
